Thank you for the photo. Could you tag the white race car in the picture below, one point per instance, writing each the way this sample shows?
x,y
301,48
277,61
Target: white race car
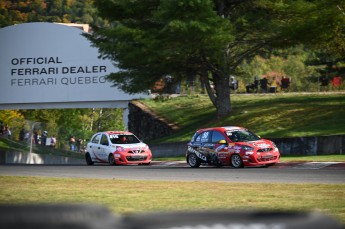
x,y
117,148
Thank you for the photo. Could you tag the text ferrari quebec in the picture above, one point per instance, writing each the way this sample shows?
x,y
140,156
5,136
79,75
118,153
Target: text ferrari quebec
x,y
117,148
230,145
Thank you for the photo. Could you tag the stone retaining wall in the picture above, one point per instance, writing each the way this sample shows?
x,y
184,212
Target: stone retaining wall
x,y
145,124
33,158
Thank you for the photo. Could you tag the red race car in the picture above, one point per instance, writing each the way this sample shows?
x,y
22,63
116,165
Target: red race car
x,y
117,148
230,145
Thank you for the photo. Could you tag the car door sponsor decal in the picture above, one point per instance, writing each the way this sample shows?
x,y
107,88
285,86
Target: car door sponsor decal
x,y
208,145
219,148
197,153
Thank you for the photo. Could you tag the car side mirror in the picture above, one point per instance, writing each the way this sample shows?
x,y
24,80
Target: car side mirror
x,y
222,142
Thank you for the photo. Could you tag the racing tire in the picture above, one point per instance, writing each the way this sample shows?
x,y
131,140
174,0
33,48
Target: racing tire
x,y
111,159
193,160
88,159
236,161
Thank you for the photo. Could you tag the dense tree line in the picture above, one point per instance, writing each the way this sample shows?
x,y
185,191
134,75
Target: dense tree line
x,y
61,123
211,40
62,11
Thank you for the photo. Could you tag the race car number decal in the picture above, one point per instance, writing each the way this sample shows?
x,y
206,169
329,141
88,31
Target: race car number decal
x,y
113,136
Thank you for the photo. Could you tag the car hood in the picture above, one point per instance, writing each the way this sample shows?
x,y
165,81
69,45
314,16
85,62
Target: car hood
x,y
262,143
131,146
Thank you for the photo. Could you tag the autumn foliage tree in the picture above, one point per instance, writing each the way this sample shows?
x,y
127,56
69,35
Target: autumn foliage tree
x,y
62,11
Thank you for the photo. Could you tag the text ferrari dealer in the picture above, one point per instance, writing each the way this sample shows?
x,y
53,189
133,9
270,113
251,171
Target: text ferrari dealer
x,y
50,75
47,65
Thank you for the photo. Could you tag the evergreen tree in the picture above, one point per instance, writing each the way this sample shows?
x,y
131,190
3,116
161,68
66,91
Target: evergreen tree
x,y
150,39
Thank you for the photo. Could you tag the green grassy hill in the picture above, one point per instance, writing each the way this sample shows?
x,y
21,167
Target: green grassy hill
x,y
268,115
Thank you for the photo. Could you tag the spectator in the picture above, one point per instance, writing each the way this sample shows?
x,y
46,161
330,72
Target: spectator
x,y
336,82
256,84
79,143
233,83
53,141
36,136
72,142
264,84
168,84
44,138
285,84
27,136
8,133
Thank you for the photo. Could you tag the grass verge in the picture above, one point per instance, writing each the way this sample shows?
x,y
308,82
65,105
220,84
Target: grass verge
x,y
268,115
123,196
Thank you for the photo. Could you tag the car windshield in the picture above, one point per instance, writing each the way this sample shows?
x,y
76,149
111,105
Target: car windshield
x,y
241,136
123,139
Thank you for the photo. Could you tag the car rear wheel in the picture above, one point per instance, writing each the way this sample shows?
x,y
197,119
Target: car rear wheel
x,y
193,161
88,159
111,159
236,161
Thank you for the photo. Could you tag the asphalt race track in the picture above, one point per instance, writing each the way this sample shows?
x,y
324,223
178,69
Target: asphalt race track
x,y
322,173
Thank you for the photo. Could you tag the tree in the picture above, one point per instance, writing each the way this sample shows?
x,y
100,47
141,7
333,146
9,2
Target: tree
x,y
152,38
14,120
66,11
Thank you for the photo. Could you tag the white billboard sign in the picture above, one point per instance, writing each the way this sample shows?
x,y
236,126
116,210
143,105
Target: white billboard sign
x,y
47,65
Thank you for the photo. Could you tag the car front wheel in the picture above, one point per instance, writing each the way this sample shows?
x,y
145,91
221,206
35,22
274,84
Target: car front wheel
x,y
193,161
111,159
88,159
236,161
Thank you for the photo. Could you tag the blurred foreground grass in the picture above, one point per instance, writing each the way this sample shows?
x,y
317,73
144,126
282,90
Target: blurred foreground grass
x,y
122,196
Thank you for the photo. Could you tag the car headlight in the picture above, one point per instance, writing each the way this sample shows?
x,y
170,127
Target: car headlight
x,y
120,149
247,148
275,146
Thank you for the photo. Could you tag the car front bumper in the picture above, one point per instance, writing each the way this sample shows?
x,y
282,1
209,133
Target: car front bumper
x,y
126,158
262,159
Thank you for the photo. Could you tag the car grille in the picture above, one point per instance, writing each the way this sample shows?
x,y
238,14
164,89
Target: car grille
x,y
264,150
136,158
267,159
136,151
